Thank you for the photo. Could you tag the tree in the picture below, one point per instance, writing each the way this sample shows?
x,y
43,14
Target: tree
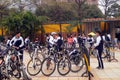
x,y
26,22
4,4
21,4
91,11
106,4
71,26
114,10
80,3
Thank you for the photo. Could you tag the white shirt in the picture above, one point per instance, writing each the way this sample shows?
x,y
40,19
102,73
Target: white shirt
x,y
55,40
51,40
26,40
8,41
98,39
14,39
92,40
75,40
103,38
109,36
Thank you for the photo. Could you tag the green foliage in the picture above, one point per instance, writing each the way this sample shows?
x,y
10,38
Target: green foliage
x,y
55,13
71,26
62,12
26,22
92,11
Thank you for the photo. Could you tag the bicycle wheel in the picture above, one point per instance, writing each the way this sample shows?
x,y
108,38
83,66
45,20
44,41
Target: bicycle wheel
x,y
64,67
15,71
25,76
108,55
4,76
48,66
77,64
34,67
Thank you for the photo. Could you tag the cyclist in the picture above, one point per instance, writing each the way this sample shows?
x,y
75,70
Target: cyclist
x,y
107,40
70,41
99,46
8,42
27,42
83,38
51,40
90,40
18,43
55,40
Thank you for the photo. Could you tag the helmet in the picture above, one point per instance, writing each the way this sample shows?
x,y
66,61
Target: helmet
x,y
53,33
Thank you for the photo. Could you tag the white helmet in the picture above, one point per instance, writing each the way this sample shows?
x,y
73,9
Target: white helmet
x,y
53,33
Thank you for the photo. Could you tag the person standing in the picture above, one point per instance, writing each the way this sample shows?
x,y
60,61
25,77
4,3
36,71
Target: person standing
x,y
18,43
90,40
99,46
8,42
27,42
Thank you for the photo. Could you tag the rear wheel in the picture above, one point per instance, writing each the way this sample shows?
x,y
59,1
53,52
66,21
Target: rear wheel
x,y
64,67
48,66
15,70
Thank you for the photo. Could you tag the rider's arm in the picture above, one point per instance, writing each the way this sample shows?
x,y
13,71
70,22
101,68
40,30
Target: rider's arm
x,y
12,41
22,42
51,40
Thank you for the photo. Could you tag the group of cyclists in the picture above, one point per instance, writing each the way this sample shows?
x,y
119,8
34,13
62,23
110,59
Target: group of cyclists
x,y
95,42
55,39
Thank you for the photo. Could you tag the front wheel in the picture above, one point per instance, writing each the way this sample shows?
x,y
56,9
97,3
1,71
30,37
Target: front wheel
x,y
4,76
34,66
77,64
64,67
48,66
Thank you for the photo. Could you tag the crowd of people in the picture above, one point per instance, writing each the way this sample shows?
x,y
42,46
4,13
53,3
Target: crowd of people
x,y
95,41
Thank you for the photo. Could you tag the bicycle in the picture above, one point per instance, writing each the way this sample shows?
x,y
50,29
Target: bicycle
x,y
36,49
75,57
14,65
49,63
64,64
20,65
86,57
76,60
106,52
34,65
3,73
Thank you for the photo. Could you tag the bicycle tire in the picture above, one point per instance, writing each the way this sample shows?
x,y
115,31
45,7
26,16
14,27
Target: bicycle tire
x,y
15,68
46,66
108,55
4,76
62,64
25,76
38,65
77,65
